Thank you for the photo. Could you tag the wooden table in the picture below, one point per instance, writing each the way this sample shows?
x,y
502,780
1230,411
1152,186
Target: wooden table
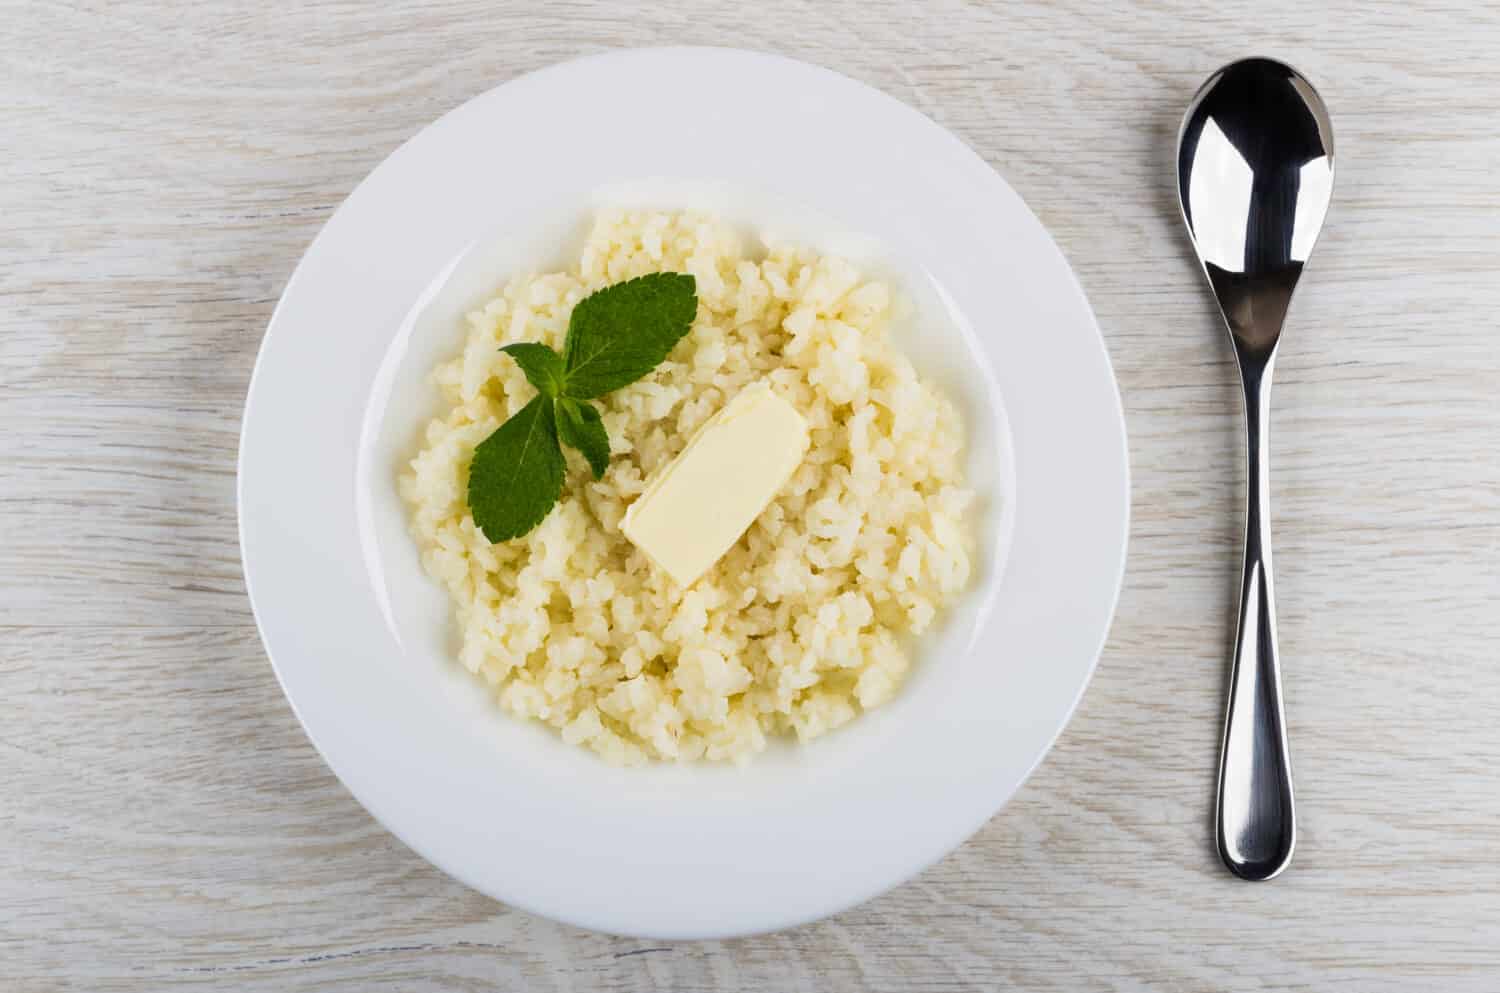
x,y
165,822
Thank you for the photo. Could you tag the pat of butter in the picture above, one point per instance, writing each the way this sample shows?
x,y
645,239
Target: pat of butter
x,y
696,508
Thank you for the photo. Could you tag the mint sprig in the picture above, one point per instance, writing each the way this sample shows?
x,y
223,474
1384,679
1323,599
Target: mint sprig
x,y
615,336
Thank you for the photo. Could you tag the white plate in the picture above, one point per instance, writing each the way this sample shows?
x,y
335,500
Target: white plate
x,y
362,643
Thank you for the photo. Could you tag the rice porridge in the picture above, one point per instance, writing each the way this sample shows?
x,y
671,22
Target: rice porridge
x,y
806,620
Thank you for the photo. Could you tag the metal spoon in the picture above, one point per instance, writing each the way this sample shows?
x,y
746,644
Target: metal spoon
x,y
1254,175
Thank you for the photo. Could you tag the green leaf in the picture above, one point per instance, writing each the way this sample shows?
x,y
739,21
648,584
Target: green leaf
x,y
580,426
615,336
543,367
517,473
622,332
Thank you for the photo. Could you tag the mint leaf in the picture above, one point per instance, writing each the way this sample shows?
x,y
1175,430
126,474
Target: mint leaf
x,y
580,426
615,336
622,332
543,367
517,473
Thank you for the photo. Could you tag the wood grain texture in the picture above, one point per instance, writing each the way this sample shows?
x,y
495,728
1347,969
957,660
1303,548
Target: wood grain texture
x,y
163,820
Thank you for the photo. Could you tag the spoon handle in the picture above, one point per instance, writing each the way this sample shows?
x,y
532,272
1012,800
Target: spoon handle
x,y
1256,823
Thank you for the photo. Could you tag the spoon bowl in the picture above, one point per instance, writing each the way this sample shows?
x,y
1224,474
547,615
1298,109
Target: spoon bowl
x,y
1254,178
